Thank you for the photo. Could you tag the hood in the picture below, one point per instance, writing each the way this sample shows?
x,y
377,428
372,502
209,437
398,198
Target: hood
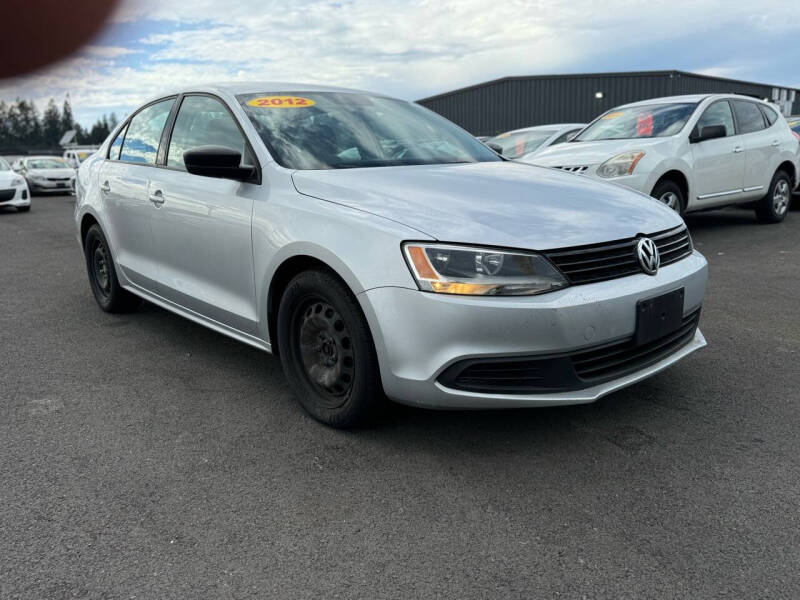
x,y
61,173
591,153
493,203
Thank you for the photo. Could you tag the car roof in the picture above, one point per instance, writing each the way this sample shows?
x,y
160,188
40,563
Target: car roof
x,y
258,87
689,98
551,126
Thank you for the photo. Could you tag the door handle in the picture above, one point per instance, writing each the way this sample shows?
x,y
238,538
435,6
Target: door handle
x,y
776,143
737,149
157,198
106,187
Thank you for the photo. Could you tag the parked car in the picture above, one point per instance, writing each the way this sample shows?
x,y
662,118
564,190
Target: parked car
x,y
524,144
794,124
46,174
690,152
13,189
376,247
75,156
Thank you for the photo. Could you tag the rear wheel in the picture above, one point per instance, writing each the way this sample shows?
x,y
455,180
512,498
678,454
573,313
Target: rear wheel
x,y
103,275
773,207
327,352
670,193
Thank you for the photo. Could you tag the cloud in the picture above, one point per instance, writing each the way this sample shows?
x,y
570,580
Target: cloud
x,y
409,48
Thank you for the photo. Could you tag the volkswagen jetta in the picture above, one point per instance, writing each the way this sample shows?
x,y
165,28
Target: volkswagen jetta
x,y
379,250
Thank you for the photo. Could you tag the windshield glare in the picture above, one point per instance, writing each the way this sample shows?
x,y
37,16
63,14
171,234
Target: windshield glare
x,y
652,120
515,145
46,163
341,130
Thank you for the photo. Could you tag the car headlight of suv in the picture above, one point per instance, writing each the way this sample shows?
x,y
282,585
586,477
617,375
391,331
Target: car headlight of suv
x,y
17,181
476,271
621,164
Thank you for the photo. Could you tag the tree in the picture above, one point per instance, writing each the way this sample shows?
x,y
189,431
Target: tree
x,y
67,121
51,125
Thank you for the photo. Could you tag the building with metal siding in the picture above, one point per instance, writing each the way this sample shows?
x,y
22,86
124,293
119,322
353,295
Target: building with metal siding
x,y
513,102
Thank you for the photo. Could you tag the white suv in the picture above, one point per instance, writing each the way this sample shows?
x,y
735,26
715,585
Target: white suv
x,y
690,152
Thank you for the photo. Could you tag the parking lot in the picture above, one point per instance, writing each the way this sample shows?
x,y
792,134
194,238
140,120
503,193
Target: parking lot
x,y
146,456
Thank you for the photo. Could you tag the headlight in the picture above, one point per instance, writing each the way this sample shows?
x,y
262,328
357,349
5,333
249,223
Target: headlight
x,y
37,178
447,269
17,181
622,164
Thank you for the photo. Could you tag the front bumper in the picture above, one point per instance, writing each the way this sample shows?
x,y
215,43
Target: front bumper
x,y
21,196
52,186
419,335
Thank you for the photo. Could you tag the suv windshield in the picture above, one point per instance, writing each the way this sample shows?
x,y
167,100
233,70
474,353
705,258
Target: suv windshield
x,y
651,120
341,130
4,166
515,145
45,163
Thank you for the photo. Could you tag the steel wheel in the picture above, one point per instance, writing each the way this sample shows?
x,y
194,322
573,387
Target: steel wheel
x,y
781,196
326,351
671,199
100,264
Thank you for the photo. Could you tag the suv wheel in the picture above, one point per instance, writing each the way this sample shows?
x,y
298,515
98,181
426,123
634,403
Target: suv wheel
x,y
670,193
327,352
103,275
773,207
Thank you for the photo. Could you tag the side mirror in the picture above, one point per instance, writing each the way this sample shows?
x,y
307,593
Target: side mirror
x,y
710,132
217,161
496,147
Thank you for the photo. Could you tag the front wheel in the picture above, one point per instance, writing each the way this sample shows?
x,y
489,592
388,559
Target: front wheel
x,y
670,194
327,352
773,207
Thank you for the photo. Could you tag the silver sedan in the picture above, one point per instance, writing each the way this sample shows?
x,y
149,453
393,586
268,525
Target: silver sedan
x,y
379,250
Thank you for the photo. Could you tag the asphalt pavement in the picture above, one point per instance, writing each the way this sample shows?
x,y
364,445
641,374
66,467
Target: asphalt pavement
x,y
144,456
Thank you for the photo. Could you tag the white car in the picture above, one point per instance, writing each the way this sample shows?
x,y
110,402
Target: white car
x,y
46,174
13,189
690,152
524,144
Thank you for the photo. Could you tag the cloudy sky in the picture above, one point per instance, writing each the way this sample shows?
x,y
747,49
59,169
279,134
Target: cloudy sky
x,y
412,48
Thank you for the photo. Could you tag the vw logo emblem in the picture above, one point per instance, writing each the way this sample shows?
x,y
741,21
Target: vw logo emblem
x,y
647,253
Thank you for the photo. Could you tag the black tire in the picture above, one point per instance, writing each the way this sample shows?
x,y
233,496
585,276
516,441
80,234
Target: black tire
x,y
24,208
327,352
773,207
103,275
670,193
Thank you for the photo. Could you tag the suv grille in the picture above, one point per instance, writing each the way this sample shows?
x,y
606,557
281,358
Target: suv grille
x,y
610,260
565,372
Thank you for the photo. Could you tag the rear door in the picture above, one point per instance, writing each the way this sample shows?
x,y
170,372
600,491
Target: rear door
x,y
760,152
718,163
123,180
202,226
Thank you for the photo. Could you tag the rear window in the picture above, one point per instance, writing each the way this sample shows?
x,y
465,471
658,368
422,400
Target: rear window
x,y
769,114
748,116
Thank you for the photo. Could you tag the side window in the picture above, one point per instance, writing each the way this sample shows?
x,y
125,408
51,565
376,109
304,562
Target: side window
x,y
565,137
748,116
203,121
718,113
769,114
144,133
116,145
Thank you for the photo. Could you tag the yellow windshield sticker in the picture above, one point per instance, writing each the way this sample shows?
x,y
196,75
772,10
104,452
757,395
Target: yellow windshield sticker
x,y
280,102
504,135
793,123
612,115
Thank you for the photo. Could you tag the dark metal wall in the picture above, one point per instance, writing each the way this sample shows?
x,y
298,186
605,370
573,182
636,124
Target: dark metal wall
x,y
514,102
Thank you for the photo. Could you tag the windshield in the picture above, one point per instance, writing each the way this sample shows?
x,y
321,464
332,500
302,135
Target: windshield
x,y
336,130
517,144
46,163
794,123
651,120
4,166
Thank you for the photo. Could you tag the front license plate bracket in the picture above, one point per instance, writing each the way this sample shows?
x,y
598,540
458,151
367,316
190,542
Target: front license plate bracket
x,y
658,317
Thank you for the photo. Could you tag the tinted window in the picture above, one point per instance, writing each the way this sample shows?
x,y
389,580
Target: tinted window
x,y
333,130
748,116
769,114
144,133
718,113
202,121
113,151
641,121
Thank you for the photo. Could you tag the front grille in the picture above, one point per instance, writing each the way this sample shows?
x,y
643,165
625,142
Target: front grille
x,y
7,195
610,260
621,358
569,371
58,179
577,169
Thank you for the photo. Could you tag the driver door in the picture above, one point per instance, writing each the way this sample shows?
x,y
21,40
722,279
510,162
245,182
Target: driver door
x,y
718,163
